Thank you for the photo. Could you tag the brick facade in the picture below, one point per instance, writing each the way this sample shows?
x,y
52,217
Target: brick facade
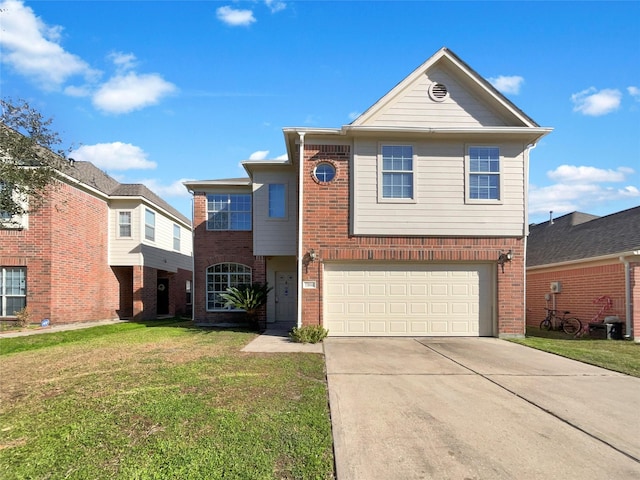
x,y
581,285
326,231
213,247
66,254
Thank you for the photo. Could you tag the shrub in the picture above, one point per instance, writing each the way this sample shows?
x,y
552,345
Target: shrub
x,y
22,317
247,297
308,334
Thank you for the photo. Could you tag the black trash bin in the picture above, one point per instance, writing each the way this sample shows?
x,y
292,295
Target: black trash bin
x,y
614,331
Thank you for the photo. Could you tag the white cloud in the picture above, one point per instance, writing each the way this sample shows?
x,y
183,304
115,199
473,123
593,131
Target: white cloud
x,y
275,5
126,93
114,156
284,156
235,18
123,61
581,174
33,49
595,103
579,188
354,115
259,155
175,189
634,92
507,84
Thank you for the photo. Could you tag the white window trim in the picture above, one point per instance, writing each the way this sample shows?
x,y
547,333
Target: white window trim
x,y
118,224
206,286
228,229
3,296
381,198
178,238
285,216
16,222
468,173
144,220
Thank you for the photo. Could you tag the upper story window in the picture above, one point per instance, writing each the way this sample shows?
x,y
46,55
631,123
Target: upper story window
x,y
13,290
229,211
222,276
484,173
277,200
324,172
397,172
176,237
149,225
124,224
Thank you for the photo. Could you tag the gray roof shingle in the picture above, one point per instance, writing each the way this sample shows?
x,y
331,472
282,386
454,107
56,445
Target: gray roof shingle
x,y
578,236
90,175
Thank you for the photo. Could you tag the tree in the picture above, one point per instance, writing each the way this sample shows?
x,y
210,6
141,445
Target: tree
x,y
29,161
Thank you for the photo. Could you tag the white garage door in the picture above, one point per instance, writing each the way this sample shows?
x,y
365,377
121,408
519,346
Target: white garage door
x,y
408,300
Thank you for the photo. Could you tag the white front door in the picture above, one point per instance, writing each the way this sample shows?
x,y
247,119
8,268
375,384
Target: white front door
x,y
285,297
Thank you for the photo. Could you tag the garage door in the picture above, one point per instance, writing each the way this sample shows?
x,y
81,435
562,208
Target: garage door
x,y
364,299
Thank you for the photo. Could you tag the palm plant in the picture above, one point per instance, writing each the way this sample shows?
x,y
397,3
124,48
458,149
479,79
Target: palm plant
x,y
247,297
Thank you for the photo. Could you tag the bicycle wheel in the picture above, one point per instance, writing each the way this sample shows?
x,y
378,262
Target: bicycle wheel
x,y
571,326
545,324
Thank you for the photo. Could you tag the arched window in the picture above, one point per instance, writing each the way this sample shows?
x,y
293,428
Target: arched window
x,y
220,277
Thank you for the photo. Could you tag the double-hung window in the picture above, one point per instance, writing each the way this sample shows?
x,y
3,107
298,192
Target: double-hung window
x,y
222,276
484,173
229,212
13,290
176,237
124,224
277,200
397,172
149,225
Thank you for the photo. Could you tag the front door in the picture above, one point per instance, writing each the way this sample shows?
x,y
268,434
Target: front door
x,y
163,296
285,297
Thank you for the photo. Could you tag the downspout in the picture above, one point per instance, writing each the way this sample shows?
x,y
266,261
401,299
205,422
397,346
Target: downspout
x,y
525,231
193,259
300,237
628,305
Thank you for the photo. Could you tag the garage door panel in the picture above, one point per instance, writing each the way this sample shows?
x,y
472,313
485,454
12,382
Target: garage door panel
x,y
407,299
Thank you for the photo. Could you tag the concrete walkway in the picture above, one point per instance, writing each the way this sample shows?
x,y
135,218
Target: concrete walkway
x,y
276,340
477,409
58,328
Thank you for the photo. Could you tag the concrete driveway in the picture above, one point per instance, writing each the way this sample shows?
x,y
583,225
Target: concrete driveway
x,y
482,408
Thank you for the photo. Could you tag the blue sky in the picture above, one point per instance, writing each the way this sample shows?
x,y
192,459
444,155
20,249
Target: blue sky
x,y
158,92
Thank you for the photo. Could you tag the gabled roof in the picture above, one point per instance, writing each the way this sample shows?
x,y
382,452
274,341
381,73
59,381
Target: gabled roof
x,y
460,69
91,176
580,236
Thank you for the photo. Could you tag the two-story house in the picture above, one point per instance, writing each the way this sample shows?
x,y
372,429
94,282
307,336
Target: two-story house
x,y
410,221
96,249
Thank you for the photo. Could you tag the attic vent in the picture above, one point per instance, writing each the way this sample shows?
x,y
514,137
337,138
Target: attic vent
x,y
438,92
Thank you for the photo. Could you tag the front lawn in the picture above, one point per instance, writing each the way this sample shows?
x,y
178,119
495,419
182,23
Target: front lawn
x,y
157,401
617,355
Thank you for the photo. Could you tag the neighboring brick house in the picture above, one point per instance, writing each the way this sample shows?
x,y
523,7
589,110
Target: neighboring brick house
x,y
96,249
575,260
392,225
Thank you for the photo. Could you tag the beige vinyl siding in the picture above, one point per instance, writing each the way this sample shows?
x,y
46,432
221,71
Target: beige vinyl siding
x,y
414,107
439,207
125,251
139,251
274,236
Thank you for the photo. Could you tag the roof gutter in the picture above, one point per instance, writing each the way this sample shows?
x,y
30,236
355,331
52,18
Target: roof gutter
x,y
568,263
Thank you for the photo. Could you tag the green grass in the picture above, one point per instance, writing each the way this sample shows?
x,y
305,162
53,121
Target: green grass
x,y
157,401
617,355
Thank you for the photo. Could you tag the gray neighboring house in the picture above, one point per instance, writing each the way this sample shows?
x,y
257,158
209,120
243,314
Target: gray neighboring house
x,y
579,261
